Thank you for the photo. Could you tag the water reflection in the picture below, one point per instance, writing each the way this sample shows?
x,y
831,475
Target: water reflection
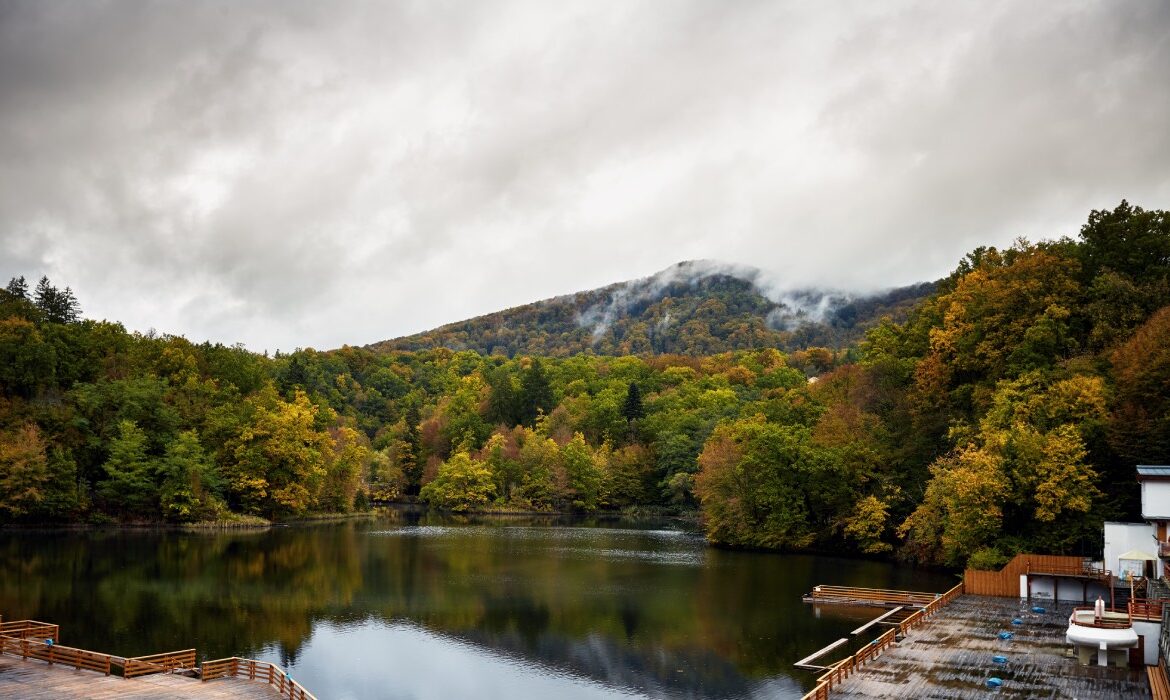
x,y
434,607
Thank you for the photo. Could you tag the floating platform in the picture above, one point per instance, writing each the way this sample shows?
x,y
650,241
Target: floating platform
x,y
870,597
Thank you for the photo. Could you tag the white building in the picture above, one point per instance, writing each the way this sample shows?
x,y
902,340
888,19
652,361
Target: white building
x,y
1131,550
1155,481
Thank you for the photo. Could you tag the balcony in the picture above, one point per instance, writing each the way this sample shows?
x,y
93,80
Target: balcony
x,y
1113,618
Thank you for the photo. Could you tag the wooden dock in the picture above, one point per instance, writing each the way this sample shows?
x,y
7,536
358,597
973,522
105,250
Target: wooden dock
x,y
36,680
951,656
872,597
34,664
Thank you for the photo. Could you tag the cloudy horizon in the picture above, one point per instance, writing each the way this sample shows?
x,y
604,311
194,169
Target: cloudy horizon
x,y
305,174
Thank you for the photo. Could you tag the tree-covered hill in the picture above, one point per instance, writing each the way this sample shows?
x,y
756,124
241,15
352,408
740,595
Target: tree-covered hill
x,y
1004,414
692,308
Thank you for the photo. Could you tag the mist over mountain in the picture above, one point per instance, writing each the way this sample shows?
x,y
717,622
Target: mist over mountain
x,y
693,307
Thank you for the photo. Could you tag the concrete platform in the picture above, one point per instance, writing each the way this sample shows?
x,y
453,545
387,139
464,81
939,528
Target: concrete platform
x,y
36,680
951,657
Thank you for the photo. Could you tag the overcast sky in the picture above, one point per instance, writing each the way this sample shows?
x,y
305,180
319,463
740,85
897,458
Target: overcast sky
x,y
307,174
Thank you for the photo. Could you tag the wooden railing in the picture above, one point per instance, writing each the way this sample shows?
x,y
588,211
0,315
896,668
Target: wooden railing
x,y
1083,568
847,594
1113,618
28,648
160,663
841,670
29,639
1006,581
929,611
22,629
1149,610
235,667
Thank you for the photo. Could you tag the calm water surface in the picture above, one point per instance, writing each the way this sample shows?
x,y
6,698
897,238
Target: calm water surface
x,y
441,608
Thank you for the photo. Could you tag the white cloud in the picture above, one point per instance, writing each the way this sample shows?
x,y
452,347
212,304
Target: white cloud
x,y
299,173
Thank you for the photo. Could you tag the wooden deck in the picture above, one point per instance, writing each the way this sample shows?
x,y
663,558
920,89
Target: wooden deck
x,y
873,597
36,680
950,656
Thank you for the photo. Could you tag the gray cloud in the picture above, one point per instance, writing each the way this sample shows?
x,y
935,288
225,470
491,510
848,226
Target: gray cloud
x,y
301,173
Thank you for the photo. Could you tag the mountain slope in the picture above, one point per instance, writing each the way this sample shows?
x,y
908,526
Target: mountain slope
x,y
694,307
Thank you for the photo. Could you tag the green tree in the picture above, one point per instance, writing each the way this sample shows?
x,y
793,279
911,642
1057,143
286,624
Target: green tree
x,y
462,483
188,483
278,458
536,395
349,456
27,362
18,287
632,409
754,484
585,476
1128,240
129,487
58,306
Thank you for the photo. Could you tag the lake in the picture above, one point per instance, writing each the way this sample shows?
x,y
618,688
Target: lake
x,y
441,607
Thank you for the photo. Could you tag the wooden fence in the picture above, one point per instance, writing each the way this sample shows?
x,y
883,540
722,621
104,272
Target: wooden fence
x,y
235,667
841,670
56,654
1005,583
30,639
1147,610
25,629
159,663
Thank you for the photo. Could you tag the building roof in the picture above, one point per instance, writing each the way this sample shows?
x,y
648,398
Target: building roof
x,y
1153,470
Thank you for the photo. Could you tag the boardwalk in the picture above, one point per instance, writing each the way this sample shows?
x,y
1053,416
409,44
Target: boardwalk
x,y
951,657
36,680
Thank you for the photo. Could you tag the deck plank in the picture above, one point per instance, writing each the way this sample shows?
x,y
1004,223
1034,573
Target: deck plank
x,y
950,657
36,680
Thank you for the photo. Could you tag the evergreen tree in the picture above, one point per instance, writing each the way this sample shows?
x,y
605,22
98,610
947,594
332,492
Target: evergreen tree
x,y
632,409
187,479
536,393
68,307
18,287
409,457
129,487
58,306
502,401
45,297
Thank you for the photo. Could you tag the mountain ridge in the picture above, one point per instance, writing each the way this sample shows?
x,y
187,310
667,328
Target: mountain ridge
x,y
695,307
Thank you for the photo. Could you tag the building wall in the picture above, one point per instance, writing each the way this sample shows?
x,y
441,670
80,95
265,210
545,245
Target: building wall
x,y
1072,590
1123,537
1156,500
1152,632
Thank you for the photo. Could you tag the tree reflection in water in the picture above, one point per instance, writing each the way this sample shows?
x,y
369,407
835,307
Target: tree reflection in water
x,y
642,607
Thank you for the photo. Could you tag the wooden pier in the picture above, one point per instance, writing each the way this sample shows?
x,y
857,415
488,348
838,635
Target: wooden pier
x,y
35,665
872,597
952,655
36,680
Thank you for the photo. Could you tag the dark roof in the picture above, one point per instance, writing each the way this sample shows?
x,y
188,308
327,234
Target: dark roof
x,y
1153,470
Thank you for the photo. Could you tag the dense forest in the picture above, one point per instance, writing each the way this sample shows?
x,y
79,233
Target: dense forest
x,y
1004,412
692,308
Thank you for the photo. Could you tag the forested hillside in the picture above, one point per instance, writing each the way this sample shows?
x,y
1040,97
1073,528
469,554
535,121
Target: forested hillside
x,y
1004,413
693,308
